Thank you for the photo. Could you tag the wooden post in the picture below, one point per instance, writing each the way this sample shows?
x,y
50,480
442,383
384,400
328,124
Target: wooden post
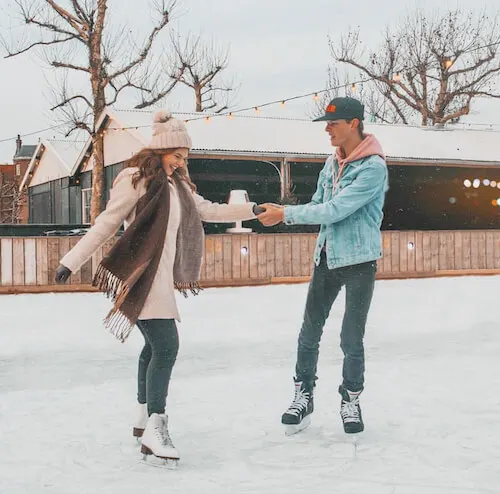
x,y
285,177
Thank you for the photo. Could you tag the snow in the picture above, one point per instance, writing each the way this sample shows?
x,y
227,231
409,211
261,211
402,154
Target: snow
x,y
67,395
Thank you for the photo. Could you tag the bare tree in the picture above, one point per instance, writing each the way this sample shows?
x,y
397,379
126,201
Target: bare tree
x,y
430,68
378,107
203,65
11,201
80,41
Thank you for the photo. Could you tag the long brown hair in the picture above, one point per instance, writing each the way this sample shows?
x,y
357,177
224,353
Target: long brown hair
x,y
149,162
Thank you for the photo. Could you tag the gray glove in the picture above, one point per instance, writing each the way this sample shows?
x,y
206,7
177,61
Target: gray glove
x,y
257,210
62,274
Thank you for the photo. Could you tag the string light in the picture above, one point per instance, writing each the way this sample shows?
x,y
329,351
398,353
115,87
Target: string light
x,y
448,62
257,110
283,104
353,87
230,115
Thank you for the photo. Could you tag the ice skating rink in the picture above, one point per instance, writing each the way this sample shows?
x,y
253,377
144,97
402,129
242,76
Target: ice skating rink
x,y
431,405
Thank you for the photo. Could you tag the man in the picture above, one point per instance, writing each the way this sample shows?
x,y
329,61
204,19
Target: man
x,y
348,205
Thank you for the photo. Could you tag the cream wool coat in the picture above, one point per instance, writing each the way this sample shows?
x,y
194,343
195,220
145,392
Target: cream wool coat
x,y
160,303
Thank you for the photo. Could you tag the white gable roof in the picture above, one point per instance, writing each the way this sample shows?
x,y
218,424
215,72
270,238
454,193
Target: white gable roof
x,y
303,137
55,160
243,134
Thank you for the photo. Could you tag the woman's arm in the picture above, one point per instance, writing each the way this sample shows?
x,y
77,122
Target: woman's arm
x,y
212,212
123,198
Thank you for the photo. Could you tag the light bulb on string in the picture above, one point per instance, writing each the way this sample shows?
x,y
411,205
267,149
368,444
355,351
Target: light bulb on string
x,y
230,115
397,77
257,110
353,88
207,119
448,62
315,97
283,104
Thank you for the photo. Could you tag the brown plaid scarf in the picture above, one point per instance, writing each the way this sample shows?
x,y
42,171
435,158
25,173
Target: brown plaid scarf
x,y
127,272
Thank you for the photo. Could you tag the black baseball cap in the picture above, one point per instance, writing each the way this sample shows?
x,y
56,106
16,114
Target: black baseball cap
x,y
343,109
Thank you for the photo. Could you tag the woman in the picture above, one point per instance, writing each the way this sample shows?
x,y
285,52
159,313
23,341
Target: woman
x,y
161,249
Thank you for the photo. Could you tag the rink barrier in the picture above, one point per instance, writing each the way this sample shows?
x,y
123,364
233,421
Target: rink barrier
x,y
28,264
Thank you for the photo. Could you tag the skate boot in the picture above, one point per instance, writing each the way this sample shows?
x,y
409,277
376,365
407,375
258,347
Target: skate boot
x,y
297,417
350,411
141,419
157,444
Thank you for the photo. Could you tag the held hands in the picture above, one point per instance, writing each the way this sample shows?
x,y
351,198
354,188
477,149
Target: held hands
x,y
62,274
270,214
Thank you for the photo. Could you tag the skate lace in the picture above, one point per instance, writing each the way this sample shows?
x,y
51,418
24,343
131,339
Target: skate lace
x,y
350,411
299,402
167,440
162,434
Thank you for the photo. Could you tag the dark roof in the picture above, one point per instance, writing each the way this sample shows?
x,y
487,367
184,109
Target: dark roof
x,y
25,152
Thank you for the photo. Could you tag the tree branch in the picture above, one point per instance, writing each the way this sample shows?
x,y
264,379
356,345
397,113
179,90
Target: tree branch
x,y
82,15
79,126
64,65
157,97
39,43
73,98
145,51
74,22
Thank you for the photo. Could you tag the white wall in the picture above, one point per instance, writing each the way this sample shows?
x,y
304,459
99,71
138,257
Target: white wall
x,y
49,168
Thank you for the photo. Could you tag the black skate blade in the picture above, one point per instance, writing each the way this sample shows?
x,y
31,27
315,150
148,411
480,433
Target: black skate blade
x,y
292,429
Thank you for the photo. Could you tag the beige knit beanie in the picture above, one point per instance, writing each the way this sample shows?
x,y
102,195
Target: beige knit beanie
x,y
169,133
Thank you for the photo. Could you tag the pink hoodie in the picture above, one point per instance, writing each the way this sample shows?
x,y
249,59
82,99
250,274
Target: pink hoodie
x,y
369,146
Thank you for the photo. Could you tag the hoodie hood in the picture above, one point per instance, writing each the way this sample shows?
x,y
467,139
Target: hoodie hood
x,y
369,146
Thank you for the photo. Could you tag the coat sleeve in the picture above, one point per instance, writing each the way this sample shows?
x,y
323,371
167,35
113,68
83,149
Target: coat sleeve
x,y
212,212
123,199
370,182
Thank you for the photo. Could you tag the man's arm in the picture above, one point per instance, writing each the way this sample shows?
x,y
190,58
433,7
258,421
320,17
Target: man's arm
x,y
368,184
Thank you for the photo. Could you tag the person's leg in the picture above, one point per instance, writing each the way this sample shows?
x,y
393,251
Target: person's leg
x,y
360,282
163,339
142,368
324,287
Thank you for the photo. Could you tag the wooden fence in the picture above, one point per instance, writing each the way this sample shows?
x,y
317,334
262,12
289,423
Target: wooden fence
x,y
28,264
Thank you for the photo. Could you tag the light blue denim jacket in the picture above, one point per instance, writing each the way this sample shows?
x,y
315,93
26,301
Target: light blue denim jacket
x,y
350,216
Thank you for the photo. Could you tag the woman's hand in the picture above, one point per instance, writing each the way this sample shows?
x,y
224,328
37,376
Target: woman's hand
x,y
62,274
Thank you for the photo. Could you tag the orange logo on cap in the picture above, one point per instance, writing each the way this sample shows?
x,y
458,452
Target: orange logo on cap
x,y
331,109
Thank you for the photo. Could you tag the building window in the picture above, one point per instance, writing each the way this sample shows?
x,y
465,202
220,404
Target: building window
x,y
18,170
86,198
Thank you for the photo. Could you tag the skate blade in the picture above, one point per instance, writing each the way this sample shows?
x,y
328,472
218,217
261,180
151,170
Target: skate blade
x,y
158,461
291,429
166,463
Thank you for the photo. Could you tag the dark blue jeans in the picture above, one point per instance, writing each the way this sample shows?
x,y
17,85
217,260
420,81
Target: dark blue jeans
x,y
156,362
359,281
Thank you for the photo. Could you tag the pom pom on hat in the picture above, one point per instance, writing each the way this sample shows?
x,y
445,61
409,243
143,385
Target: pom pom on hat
x,y
162,116
168,132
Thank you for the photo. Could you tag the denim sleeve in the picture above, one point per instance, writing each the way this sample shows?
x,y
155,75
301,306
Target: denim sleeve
x,y
370,182
317,197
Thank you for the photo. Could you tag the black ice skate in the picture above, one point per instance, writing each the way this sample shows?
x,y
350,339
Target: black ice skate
x,y
297,417
350,411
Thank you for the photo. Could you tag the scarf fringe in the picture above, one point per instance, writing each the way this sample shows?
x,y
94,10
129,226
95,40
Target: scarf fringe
x,y
183,287
111,285
118,324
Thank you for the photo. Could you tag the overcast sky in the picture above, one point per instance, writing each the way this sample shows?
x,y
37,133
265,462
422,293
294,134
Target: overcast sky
x,y
279,48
